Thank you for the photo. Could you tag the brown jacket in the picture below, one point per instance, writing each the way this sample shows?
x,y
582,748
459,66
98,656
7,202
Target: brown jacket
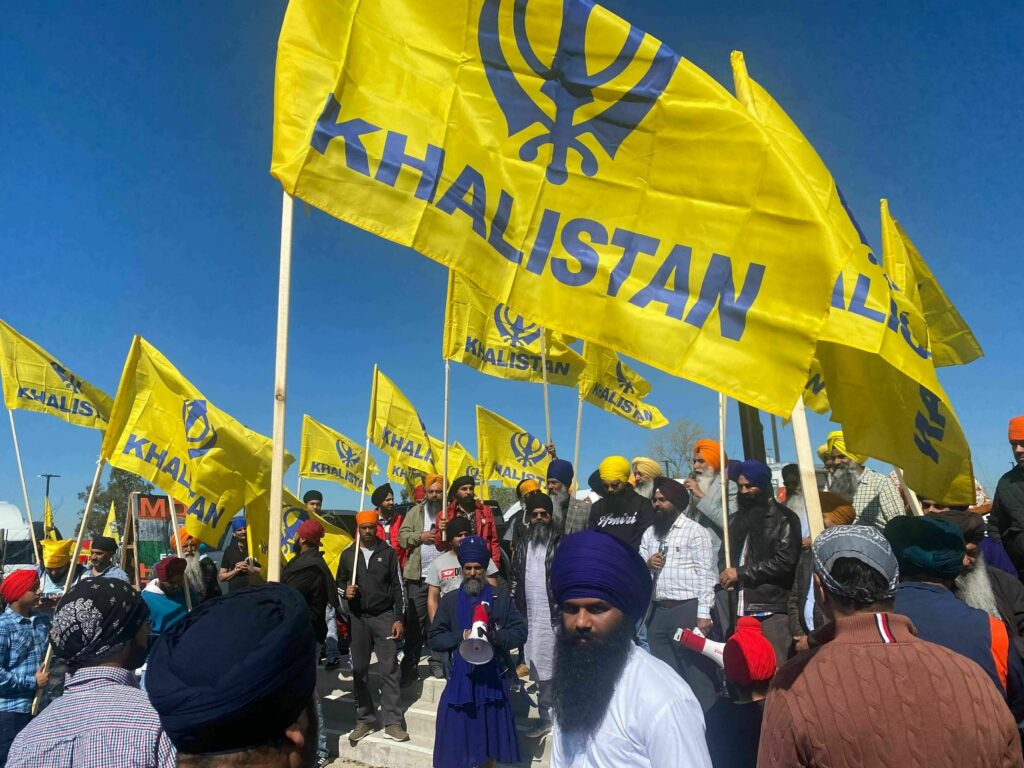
x,y
874,694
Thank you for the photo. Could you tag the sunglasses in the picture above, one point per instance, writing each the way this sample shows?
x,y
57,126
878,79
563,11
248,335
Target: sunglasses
x,y
538,515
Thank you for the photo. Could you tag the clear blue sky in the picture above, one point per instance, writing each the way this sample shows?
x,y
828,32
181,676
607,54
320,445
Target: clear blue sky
x,y
137,199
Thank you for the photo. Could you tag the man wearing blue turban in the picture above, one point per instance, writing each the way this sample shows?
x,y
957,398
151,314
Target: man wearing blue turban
x,y
475,723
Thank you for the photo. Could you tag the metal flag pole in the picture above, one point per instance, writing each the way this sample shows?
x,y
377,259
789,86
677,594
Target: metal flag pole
x,y
576,448
723,478
280,390
24,491
544,378
808,477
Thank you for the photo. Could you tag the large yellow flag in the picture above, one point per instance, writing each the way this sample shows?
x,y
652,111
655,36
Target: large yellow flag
x,y
496,340
110,526
163,429
874,361
49,529
34,380
572,167
294,513
395,427
329,455
951,340
507,452
611,385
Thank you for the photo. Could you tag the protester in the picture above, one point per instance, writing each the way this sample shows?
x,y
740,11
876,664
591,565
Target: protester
x,y
796,502
200,571
622,512
417,538
308,574
237,569
165,595
53,573
873,693
992,548
645,471
825,454
23,637
931,554
101,632
531,590
805,615
389,523
1008,505
734,727
874,498
234,683
462,502
570,514
101,560
331,651
521,521
681,556
765,539
376,600
614,704
475,723
445,573
705,488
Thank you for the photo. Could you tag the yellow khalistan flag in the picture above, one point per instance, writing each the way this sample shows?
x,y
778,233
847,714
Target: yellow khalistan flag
x,y
395,427
507,452
34,380
613,386
294,513
951,339
874,358
498,341
329,455
110,527
572,167
404,476
163,429
49,529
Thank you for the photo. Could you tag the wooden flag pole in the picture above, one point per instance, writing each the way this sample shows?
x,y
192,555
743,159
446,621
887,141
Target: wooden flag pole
x,y
576,448
280,390
24,491
72,569
298,487
544,378
723,478
808,477
908,495
177,546
362,500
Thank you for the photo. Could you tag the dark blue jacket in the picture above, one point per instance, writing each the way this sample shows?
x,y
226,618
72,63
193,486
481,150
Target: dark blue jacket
x,y
509,627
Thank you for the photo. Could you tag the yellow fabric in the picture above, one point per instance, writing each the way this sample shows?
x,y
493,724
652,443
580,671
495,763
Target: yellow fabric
x,y
294,513
508,452
163,429
646,467
613,386
49,529
57,554
669,226
329,455
873,352
614,468
395,427
497,340
34,380
836,442
823,451
110,526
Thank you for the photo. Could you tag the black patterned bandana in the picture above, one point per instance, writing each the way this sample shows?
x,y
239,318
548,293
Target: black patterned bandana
x,y
95,619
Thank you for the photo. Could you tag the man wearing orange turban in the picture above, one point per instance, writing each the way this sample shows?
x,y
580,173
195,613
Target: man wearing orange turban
x,y
1008,504
705,487
201,572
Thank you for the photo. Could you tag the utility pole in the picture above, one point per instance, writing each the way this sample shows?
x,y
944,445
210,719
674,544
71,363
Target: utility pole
x,y
48,477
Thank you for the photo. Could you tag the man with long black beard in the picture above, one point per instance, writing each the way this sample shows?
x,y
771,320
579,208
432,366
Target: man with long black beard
x,y
614,704
621,512
475,723
462,502
531,589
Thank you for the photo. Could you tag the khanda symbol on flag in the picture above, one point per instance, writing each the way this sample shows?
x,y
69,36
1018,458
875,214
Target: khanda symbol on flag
x,y
329,455
527,449
613,386
508,452
293,513
513,328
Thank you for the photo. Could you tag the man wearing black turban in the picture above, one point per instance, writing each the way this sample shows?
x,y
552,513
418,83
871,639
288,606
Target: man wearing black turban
x,y
389,523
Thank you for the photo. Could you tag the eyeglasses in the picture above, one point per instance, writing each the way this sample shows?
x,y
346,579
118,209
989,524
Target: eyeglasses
x,y
539,514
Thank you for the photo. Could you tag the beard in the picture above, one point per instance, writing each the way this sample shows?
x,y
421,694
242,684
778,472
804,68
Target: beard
x,y
194,572
539,533
663,521
433,507
844,481
645,488
472,585
749,501
797,504
560,501
705,479
585,676
974,587
467,503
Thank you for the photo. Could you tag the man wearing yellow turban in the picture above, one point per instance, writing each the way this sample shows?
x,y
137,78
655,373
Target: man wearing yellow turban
x,y
705,487
645,472
622,512
875,499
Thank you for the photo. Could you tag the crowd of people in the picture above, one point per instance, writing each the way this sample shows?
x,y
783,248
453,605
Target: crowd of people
x,y
889,639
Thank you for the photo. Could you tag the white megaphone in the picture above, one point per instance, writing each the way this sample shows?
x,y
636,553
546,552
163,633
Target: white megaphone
x,y
694,640
477,649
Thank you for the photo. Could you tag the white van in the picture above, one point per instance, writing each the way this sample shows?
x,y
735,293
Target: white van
x,y
16,549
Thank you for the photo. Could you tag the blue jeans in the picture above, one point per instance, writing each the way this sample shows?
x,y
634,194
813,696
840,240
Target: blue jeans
x,y
321,743
11,724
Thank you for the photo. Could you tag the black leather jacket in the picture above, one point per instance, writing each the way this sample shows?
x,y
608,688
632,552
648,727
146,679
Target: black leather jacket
x,y
772,533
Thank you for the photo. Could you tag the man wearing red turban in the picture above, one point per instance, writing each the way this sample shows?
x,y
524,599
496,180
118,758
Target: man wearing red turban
x,y
1008,504
22,645
705,487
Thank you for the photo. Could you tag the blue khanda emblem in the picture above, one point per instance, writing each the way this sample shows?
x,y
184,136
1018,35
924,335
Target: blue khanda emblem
x,y
348,457
292,518
199,433
70,382
624,383
568,85
527,449
513,329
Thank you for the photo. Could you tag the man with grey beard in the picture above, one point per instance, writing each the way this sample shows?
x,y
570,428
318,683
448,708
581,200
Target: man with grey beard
x,y
531,590
200,572
644,473
875,500
705,489
569,514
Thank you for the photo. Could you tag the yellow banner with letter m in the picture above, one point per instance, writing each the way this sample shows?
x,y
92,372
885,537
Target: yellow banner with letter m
x,y
508,453
329,455
571,166
613,386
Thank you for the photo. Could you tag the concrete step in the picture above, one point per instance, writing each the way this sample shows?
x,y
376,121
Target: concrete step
x,y
380,752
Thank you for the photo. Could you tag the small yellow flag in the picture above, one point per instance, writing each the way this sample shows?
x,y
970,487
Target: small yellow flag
x,y
329,455
496,340
163,429
613,386
49,529
395,427
110,527
294,513
34,380
507,452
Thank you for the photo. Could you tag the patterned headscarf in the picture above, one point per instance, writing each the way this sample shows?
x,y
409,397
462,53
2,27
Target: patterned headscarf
x,y
861,542
95,618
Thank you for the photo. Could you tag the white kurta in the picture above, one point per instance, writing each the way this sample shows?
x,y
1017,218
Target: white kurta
x,y
540,642
653,721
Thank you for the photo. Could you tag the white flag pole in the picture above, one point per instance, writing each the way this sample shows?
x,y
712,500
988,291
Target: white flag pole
x,y
808,477
444,466
362,500
723,477
24,491
544,375
576,449
908,495
298,487
280,390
